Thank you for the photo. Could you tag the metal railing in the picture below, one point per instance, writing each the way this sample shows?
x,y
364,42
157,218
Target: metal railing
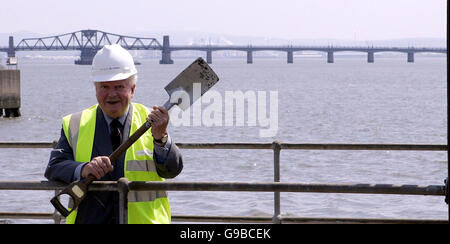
x,y
124,186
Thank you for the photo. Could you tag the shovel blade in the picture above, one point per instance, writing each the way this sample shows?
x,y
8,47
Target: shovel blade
x,y
181,89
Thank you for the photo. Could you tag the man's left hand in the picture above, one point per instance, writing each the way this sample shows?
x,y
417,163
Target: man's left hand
x,y
159,118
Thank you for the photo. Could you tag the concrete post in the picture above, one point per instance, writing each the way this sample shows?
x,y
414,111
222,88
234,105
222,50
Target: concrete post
x,y
370,57
10,93
209,57
249,57
330,57
165,59
86,56
11,49
410,57
290,57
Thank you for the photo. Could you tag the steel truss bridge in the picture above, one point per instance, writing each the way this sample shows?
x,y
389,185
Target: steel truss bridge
x,y
90,41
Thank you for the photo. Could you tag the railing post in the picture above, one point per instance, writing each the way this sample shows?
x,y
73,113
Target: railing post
x,y
122,185
276,146
54,143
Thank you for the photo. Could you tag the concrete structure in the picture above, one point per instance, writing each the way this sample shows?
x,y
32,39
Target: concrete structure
x,y
165,51
290,57
330,57
11,50
10,93
249,57
86,56
209,57
370,58
411,57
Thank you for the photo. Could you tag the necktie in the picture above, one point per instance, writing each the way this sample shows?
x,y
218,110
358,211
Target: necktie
x,y
115,134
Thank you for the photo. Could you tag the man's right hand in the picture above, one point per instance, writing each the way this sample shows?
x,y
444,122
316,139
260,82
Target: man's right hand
x,y
98,167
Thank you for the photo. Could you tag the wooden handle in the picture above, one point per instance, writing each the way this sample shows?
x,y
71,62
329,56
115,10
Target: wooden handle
x,y
133,138
126,144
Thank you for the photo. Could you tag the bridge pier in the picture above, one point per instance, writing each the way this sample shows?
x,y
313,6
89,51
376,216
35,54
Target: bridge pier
x,y
330,57
249,57
165,59
410,57
209,57
290,57
370,57
86,56
11,49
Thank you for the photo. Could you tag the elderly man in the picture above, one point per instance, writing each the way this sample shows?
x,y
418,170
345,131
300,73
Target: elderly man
x,y
87,137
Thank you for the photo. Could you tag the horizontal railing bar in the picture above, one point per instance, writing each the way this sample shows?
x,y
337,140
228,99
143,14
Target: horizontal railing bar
x,y
294,219
297,146
331,146
27,144
54,185
225,145
436,190
361,221
251,219
32,185
222,219
25,215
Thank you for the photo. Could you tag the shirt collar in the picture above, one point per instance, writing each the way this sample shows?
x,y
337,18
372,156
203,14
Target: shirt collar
x,y
121,119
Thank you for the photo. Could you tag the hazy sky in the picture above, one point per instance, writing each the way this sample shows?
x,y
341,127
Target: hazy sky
x,y
288,19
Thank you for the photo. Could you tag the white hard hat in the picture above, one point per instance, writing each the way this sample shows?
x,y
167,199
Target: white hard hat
x,y
111,63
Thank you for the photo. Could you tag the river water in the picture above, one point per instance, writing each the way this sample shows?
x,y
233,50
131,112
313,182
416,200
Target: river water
x,y
349,101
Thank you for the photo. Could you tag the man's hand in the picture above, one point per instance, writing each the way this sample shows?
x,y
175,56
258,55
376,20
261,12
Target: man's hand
x,y
98,167
159,118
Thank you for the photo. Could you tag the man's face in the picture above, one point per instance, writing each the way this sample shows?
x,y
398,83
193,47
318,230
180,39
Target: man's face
x,y
114,96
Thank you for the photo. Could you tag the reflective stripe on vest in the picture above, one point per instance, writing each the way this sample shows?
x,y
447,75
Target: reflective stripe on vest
x,y
143,206
144,165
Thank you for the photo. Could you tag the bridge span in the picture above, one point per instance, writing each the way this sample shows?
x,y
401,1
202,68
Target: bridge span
x,y
88,42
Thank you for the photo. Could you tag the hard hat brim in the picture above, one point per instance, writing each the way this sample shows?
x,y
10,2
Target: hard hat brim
x,y
110,77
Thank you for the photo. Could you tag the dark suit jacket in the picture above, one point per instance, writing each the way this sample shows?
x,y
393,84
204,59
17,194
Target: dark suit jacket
x,y
102,207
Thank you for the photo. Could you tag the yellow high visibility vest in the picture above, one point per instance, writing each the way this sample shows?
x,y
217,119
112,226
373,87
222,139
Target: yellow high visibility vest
x,y
144,207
